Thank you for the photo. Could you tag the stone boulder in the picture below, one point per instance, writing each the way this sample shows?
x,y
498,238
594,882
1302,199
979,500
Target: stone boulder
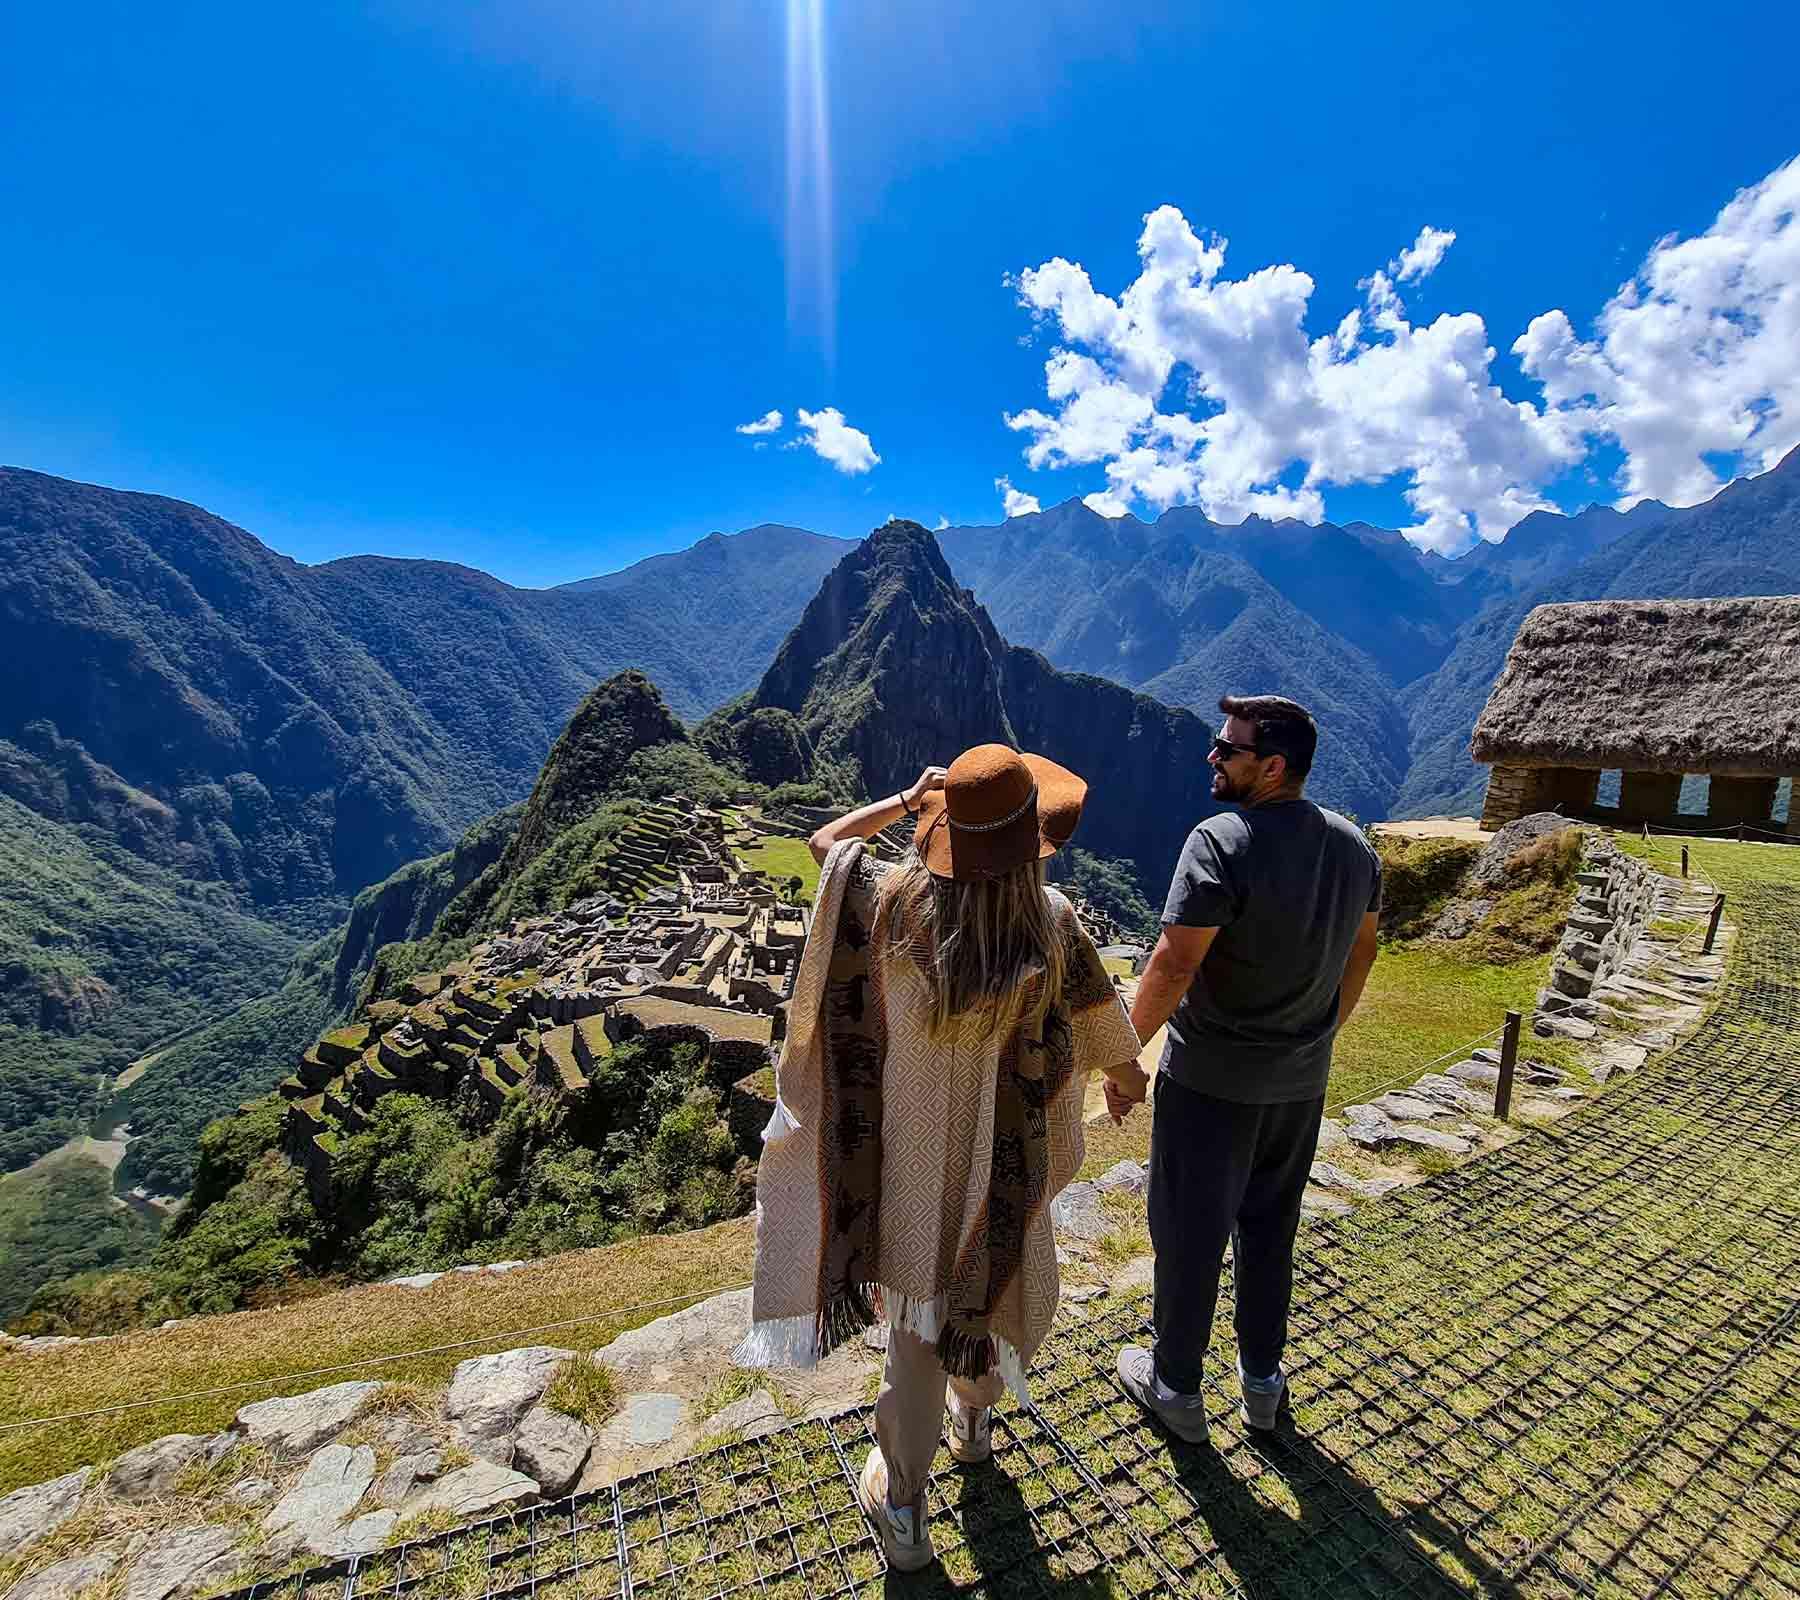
x,y
1131,1176
297,1424
331,1487
408,1471
27,1515
490,1395
149,1472
182,1562
643,1421
477,1490
363,1537
1078,1215
69,1577
552,1448
749,1418
699,1335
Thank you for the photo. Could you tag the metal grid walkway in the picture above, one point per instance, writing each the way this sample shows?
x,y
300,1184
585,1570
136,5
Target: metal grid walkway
x,y
1571,1368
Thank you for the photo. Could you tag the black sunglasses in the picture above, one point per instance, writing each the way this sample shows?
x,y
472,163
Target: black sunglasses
x,y
1224,749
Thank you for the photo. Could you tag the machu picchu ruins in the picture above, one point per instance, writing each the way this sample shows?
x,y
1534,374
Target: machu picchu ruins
x,y
689,945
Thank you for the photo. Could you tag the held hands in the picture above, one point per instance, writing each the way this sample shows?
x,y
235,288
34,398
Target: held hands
x,y
1126,1086
928,782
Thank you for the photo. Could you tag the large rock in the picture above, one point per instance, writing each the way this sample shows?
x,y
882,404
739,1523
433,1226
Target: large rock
x,y
1077,1213
363,1537
69,1577
1331,1136
1329,1176
552,1448
27,1515
1411,1107
699,1335
182,1562
149,1472
473,1491
331,1487
490,1395
1131,1176
298,1424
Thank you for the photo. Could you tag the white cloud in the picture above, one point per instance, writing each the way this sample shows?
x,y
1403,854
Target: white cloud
x,y
1698,354
768,422
1194,387
848,449
1016,501
1269,416
1420,258
942,523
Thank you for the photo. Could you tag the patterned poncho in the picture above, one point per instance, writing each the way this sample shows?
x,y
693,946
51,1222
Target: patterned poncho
x,y
911,1176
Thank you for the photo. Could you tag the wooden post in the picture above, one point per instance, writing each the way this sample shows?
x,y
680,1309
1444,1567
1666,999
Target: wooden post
x,y
1684,871
1509,1061
1740,833
1712,926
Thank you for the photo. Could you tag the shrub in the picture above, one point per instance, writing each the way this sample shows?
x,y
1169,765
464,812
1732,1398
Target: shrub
x,y
585,1389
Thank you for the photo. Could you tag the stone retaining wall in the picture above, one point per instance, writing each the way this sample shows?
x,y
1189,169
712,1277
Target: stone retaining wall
x,y
1616,899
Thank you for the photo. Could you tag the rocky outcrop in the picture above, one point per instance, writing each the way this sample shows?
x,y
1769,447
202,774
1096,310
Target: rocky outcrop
x,y
183,1562
473,1491
551,1448
298,1424
32,1513
332,1486
149,1472
893,666
489,1396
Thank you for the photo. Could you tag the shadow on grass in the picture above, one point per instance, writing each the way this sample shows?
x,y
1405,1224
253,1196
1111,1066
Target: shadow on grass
x,y
1338,1540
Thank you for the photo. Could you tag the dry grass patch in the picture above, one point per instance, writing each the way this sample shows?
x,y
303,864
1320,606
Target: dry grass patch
x,y
262,1348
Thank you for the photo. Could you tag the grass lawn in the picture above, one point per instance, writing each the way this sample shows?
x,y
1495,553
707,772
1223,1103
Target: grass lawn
x,y
1420,1004
784,858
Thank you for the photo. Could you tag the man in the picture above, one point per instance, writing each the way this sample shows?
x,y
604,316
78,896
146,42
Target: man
x,y
1268,936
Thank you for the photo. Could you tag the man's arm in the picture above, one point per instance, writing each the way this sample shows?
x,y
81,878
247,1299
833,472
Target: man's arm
x,y
1171,969
1356,969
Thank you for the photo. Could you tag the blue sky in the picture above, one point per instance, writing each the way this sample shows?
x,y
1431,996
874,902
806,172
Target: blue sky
x,y
497,284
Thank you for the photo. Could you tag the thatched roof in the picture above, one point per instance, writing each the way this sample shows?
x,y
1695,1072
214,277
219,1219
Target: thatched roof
x,y
1707,686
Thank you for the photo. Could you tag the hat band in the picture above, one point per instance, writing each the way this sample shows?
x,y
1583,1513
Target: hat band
x,y
989,827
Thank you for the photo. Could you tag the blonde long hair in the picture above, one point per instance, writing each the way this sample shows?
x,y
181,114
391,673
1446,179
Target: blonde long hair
x,y
980,944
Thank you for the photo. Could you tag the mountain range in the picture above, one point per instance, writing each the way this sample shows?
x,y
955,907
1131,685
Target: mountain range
x,y
192,721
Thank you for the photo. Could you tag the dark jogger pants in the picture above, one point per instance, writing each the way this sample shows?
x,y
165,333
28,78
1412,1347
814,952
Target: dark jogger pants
x,y
1220,1170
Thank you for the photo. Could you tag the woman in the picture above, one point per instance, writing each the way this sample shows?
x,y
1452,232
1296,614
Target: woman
x,y
945,1016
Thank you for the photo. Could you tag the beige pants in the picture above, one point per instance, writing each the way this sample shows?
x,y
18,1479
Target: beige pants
x,y
909,1416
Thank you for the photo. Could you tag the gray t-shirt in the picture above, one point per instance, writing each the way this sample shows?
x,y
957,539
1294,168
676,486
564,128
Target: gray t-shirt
x,y
1287,885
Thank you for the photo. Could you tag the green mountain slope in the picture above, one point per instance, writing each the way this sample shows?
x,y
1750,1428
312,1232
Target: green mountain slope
x,y
893,666
104,956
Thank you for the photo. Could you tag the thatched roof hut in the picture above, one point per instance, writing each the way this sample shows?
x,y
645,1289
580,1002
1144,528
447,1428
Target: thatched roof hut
x,y
1649,687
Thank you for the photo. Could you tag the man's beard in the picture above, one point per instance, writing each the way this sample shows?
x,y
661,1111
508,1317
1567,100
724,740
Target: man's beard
x,y
1223,787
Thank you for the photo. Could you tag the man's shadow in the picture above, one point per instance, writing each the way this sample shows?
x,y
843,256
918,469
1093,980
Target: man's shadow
x,y
1338,1538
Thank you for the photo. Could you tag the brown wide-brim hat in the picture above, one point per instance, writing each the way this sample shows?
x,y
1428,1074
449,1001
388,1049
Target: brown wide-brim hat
x,y
999,809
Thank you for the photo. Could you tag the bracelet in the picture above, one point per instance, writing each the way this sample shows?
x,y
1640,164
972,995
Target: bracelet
x,y
901,797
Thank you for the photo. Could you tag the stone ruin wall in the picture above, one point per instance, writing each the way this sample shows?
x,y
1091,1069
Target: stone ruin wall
x,y
1616,898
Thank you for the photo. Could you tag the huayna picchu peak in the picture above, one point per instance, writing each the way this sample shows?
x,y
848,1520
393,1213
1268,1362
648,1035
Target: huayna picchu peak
x,y
893,666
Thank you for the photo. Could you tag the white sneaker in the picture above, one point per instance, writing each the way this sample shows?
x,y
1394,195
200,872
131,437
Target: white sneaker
x,y
971,1430
904,1536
